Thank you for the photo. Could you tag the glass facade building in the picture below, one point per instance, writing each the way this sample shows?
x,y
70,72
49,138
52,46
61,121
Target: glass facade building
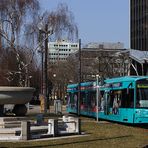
x,y
139,24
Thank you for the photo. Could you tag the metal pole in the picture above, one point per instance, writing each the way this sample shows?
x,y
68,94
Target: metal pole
x,y
41,51
45,67
97,98
79,86
45,70
42,60
0,42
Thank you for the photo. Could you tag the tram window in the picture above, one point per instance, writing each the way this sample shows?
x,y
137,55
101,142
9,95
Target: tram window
x,y
127,100
92,99
68,99
102,100
111,99
101,94
71,98
89,99
83,98
142,99
122,99
115,98
101,97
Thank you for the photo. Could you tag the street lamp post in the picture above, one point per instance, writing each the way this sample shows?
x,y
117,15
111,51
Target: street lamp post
x,y
97,96
54,93
42,66
45,80
45,75
79,84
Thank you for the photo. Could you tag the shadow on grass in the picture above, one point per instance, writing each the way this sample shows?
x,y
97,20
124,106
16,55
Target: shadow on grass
x,y
144,126
146,146
78,142
141,125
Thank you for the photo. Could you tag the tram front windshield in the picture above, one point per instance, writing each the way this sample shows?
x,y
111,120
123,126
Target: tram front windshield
x,y
142,94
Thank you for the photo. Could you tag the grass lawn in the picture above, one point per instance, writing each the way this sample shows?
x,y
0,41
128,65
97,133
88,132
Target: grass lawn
x,y
101,134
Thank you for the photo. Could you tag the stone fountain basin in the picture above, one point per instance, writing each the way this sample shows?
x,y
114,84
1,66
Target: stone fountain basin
x,y
15,95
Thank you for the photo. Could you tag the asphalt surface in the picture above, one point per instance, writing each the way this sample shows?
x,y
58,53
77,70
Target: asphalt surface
x,y
35,109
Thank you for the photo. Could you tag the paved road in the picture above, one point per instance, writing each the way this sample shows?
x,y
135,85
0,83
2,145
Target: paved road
x,y
33,109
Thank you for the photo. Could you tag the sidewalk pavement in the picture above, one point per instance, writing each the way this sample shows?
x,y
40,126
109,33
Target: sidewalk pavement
x,y
35,109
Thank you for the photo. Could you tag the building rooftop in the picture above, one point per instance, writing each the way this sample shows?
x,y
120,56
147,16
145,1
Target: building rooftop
x,y
105,45
138,55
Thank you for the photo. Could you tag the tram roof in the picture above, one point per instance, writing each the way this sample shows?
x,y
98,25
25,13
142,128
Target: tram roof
x,y
82,84
72,85
125,78
110,80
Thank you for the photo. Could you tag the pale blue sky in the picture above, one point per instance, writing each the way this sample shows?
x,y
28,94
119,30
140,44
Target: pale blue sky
x,y
97,20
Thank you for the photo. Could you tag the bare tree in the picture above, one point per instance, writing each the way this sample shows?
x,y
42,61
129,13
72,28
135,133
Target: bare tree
x,y
16,32
14,14
61,22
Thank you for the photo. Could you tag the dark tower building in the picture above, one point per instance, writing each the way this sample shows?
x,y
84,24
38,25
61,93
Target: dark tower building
x,y
139,24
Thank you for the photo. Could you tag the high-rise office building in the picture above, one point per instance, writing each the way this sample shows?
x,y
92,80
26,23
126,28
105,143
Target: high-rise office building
x,y
139,24
61,50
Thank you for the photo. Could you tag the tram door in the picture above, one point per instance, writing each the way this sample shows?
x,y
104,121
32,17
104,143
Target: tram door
x,y
106,102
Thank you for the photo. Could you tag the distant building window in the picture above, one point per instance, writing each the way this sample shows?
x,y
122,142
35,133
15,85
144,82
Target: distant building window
x,y
101,46
74,45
